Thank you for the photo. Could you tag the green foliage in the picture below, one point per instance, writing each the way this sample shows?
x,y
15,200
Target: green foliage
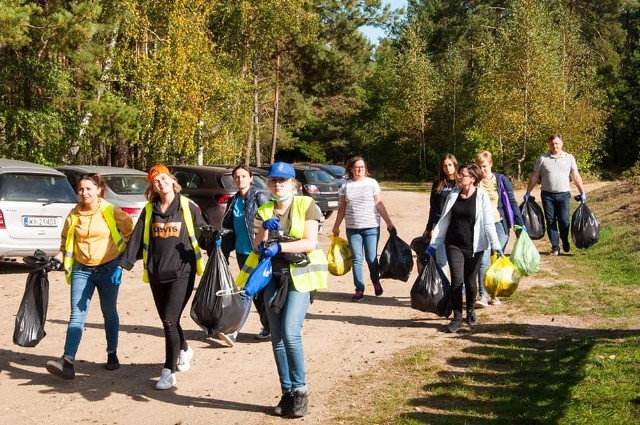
x,y
632,175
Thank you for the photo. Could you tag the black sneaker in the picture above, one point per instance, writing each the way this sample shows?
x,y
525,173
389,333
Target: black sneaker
x,y
300,404
112,362
565,245
454,325
285,406
555,250
61,368
471,318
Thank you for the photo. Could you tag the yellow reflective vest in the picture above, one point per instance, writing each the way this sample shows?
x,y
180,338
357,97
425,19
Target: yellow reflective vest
x,y
116,236
188,221
307,278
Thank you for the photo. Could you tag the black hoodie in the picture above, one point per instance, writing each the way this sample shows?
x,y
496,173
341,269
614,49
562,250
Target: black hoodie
x,y
170,251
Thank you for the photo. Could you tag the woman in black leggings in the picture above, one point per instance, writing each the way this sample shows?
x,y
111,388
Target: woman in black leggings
x,y
466,228
167,234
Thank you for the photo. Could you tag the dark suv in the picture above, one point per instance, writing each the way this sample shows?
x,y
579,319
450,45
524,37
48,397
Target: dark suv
x,y
210,187
320,185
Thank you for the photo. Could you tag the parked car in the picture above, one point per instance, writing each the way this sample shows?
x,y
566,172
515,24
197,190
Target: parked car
x,y
317,183
34,203
125,186
337,171
210,187
320,185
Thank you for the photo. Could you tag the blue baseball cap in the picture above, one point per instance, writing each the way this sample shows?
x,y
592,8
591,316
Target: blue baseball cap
x,y
281,170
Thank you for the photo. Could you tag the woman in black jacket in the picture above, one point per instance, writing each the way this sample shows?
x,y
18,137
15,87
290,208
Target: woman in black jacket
x,y
440,190
241,211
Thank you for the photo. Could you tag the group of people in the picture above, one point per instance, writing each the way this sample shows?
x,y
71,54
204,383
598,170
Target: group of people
x,y
472,211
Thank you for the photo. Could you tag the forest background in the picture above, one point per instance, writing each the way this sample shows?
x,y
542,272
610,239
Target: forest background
x,y
134,82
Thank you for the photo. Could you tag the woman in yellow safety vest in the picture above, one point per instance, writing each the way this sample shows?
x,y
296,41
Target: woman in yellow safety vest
x,y
288,295
93,236
167,233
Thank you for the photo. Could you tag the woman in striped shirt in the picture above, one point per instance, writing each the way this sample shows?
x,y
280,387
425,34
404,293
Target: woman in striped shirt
x,y
361,207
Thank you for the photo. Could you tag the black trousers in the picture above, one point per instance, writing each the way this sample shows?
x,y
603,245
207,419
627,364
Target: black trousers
x,y
170,299
464,271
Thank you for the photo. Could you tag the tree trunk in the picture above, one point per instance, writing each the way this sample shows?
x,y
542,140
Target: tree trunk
x,y
276,108
256,116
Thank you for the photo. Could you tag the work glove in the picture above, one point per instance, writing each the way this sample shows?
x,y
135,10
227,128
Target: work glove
x,y
269,251
54,264
583,197
498,252
527,196
430,251
116,276
271,224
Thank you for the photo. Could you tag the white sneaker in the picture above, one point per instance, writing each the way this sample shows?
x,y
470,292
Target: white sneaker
x,y
495,301
167,380
228,339
482,303
184,360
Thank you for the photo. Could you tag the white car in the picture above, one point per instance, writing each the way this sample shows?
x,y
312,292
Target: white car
x,y
34,203
125,186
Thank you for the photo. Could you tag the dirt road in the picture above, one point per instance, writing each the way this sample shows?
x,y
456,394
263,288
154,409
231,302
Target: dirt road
x,y
236,385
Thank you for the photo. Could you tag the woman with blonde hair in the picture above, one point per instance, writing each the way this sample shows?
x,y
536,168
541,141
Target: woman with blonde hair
x,y
167,233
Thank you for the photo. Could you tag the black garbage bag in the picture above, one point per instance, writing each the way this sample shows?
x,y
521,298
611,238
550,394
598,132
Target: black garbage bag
x,y
300,259
396,260
585,227
430,291
420,245
32,313
217,313
533,218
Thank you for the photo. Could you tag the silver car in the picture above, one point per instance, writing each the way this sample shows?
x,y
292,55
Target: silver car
x,y
125,186
34,203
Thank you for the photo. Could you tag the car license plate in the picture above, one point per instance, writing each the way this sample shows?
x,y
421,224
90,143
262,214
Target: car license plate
x,y
40,221
333,203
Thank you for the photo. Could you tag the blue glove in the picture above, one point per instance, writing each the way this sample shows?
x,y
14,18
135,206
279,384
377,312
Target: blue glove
x,y
430,251
271,224
583,198
499,252
116,276
527,196
269,251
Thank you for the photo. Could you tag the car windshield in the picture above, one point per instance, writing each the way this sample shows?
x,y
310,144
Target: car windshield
x,y
36,188
318,176
127,184
336,171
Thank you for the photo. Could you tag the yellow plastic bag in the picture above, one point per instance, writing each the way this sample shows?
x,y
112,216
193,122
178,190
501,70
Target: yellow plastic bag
x,y
339,256
502,278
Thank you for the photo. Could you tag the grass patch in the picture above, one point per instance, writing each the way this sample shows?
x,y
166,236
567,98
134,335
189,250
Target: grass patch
x,y
512,373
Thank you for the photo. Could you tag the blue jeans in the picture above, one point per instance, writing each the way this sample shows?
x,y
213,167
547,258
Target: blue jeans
x,y
556,213
84,280
286,336
367,240
486,258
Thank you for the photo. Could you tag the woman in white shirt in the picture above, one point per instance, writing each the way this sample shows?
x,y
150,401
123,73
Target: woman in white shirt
x,y
361,207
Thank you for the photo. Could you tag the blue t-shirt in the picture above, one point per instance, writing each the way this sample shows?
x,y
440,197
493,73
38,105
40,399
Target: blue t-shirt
x,y
243,243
